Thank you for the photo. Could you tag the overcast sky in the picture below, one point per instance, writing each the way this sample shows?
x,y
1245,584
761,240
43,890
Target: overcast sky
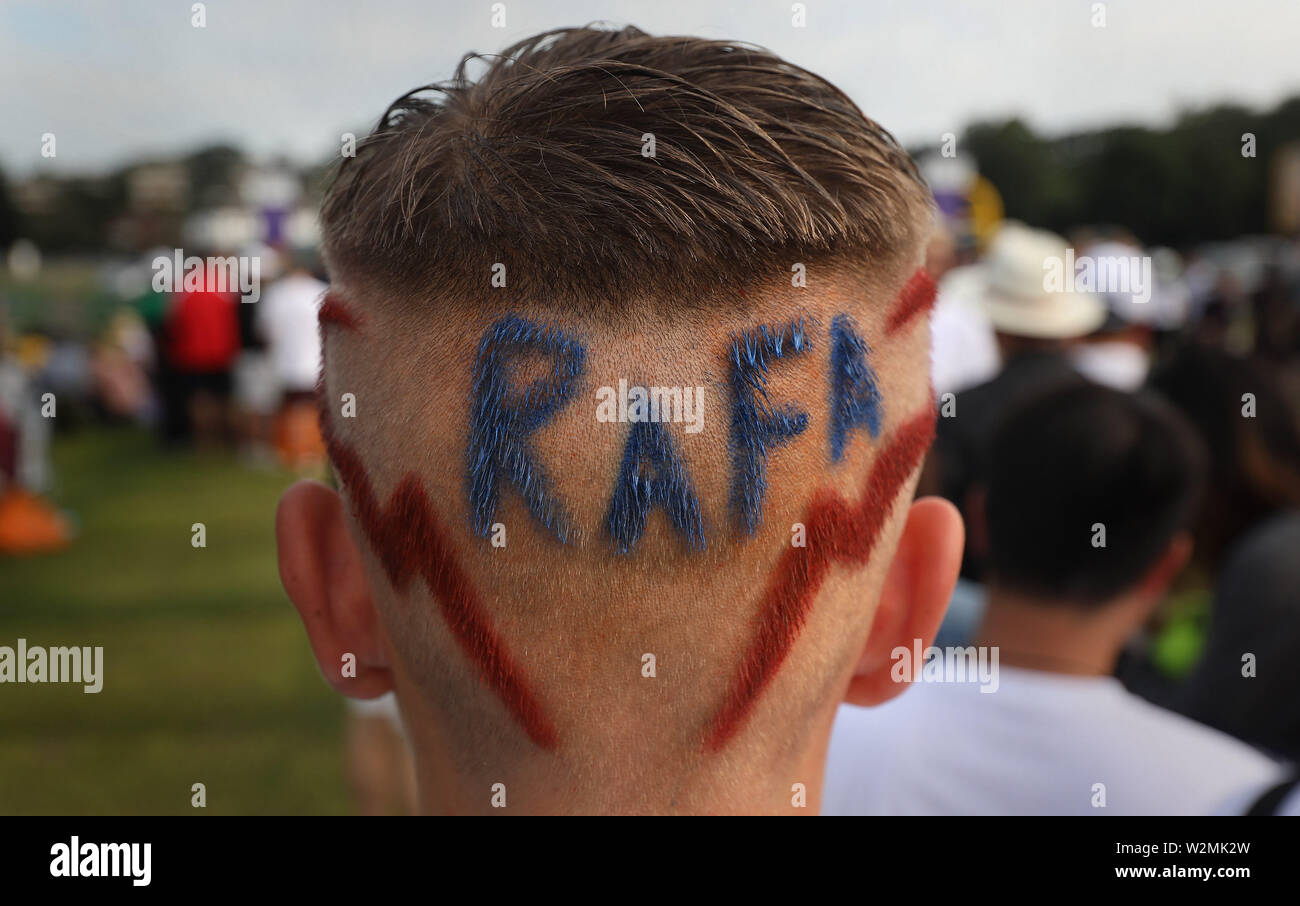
x,y
119,79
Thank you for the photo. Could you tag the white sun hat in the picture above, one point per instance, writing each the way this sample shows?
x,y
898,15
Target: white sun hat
x,y
1014,289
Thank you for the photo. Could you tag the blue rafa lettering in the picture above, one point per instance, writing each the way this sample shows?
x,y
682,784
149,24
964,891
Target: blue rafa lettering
x,y
500,423
755,424
855,389
652,475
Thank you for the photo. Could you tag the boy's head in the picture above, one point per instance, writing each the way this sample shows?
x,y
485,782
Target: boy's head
x,y
1091,491
626,387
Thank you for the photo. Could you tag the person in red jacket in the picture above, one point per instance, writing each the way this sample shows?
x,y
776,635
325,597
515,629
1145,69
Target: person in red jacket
x,y
202,336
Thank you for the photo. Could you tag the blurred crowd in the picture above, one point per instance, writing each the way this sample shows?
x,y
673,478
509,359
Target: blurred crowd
x,y
1213,336
202,367
1127,464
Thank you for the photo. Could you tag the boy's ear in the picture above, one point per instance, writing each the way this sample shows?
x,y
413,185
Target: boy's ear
x,y
323,573
914,597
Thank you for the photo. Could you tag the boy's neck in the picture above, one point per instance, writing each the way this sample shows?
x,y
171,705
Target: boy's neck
x,y
730,782
1052,636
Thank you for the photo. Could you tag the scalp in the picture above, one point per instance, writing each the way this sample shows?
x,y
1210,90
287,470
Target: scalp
x,y
577,616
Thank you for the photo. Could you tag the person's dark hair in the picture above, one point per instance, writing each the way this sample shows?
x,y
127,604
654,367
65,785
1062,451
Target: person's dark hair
x,y
1077,456
1254,461
1257,611
544,164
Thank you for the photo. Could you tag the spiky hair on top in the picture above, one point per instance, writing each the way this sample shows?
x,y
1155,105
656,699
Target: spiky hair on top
x,y
538,164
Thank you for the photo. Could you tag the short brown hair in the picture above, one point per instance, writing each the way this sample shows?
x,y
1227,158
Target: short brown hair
x,y
538,165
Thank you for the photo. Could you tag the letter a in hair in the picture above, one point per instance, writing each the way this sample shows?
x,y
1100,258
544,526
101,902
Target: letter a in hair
x,y
653,475
855,391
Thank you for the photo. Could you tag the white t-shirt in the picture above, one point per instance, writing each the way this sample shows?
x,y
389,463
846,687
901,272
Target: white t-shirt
x,y
1241,802
963,346
1036,746
287,321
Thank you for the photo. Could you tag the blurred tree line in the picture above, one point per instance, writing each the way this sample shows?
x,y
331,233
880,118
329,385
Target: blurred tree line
x,y
80,213
1176,186
9,221
130,208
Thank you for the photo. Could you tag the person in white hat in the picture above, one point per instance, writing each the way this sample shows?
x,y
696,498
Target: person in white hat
x,y
1020,296
1036,321
1119,353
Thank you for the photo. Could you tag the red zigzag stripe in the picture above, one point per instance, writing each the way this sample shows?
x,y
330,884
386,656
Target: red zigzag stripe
x,y
409,540
837,532
332,311
916,297
407,537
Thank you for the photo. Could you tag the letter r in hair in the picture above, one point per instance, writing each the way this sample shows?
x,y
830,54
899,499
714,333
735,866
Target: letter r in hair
x,y
410,539
502,417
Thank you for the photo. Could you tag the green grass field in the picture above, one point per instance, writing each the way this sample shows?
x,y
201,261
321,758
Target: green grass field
x,y
207,673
